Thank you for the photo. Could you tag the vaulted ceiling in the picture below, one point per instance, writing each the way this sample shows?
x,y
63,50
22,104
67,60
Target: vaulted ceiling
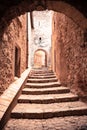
x,y
5,5
74,9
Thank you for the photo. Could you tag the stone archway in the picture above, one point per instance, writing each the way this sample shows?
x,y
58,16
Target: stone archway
x,y
40,58
58,6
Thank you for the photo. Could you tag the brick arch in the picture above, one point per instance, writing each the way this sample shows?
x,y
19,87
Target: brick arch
x,y
45,54
59,6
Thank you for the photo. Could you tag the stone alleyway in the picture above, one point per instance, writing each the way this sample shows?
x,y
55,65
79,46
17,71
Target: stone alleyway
x,y
43,33
47,105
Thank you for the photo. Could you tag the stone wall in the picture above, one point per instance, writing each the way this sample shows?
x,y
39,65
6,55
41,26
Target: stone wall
x,y
69,53
14,35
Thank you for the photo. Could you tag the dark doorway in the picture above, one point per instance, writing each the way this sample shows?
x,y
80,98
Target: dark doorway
x,y
17,62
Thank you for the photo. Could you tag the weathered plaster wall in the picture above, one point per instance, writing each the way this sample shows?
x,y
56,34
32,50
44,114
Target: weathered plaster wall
x,y
69,53
14,35
42,21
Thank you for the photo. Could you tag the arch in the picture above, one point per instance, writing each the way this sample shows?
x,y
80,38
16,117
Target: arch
x,y
40,58
68,10
59,6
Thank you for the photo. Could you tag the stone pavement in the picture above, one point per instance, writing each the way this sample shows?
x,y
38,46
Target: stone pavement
x,y
60,123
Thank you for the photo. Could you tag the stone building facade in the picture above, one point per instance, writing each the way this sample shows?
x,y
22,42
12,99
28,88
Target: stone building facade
x,y
41,35
13,51
69,53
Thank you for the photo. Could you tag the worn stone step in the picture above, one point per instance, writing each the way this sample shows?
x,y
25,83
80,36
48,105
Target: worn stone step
x,y
42,71
42,77
44,111
43,74
48,71
43,85
42,80
37,91
46,99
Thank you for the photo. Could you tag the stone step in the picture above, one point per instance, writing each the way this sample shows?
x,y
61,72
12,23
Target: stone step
x,y
42,80
42,77
45,74
42,85
47,99
44,111
41,71
37,91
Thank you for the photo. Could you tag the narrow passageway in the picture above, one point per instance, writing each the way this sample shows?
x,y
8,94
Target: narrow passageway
x,y
43,65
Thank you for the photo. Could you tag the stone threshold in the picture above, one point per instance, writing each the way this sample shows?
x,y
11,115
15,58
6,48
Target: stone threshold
x,y
9,98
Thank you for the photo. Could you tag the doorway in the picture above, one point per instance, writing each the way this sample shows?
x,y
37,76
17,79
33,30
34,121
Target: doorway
x,y
40,59
17,62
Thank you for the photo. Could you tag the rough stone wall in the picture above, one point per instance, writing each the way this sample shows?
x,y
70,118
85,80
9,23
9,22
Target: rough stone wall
x,y
70,62
14,35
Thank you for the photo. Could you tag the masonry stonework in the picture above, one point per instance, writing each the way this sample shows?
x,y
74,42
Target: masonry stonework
x,y
69,55
14,35
41,34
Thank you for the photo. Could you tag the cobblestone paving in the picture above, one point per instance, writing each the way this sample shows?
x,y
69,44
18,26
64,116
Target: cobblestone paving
x,y
61,123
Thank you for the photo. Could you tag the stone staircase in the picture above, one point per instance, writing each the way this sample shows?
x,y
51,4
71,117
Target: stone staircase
x,y
44,97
